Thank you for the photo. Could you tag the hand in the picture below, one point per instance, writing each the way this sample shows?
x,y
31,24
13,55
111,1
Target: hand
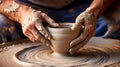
x,y
32,26
88,22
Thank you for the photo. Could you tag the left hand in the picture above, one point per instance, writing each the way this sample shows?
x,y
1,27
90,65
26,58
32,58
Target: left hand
x,y
88,22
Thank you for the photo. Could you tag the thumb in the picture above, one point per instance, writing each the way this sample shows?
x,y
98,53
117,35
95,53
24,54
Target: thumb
x,y
77,24
49,20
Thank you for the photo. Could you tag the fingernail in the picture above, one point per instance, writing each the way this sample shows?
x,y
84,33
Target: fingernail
x,y
73,28
43,33
71,51
49,37
46,35
70,45
40,29
56,24
47,43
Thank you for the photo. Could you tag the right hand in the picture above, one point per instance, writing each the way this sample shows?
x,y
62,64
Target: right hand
x,y
32,26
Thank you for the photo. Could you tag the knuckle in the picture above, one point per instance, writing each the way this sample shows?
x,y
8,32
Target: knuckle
x,y
24,31
37,38
38,12
31,25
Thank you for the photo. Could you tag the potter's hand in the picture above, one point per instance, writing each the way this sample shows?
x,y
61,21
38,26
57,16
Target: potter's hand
x,y
32,26
88,22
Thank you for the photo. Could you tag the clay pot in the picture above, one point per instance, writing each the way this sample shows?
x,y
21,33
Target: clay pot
x,y
62,37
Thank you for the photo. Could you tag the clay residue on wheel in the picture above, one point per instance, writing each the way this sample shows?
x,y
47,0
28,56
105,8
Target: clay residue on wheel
x,y
97,53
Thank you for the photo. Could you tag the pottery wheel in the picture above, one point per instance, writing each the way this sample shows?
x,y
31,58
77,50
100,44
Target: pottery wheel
x,y
97,53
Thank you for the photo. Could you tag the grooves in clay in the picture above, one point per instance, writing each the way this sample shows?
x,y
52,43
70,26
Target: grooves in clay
x,y
97,53
62,36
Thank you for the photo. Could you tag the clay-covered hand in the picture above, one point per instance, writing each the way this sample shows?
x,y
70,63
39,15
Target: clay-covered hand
x,y
32,26
88,22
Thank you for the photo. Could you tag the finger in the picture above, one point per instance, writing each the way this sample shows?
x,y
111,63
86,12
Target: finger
x,y
30,36
44,41
74,49
27,33
39,37
42,30
79,19
81,38
77,24
32,30
49,20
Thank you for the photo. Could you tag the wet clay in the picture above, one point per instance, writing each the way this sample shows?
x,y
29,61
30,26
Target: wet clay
x,y
98,52
62,36
12,7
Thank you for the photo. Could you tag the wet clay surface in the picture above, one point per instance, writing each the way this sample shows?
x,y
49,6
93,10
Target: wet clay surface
x,y
97,53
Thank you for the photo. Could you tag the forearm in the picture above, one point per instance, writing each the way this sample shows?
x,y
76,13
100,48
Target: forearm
x,y
99,6
14,11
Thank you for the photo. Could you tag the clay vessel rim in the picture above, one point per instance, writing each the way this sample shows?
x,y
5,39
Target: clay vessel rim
x,y
63,25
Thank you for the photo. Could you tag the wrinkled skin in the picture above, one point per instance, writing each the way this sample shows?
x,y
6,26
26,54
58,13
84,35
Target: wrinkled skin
x,y
88,22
